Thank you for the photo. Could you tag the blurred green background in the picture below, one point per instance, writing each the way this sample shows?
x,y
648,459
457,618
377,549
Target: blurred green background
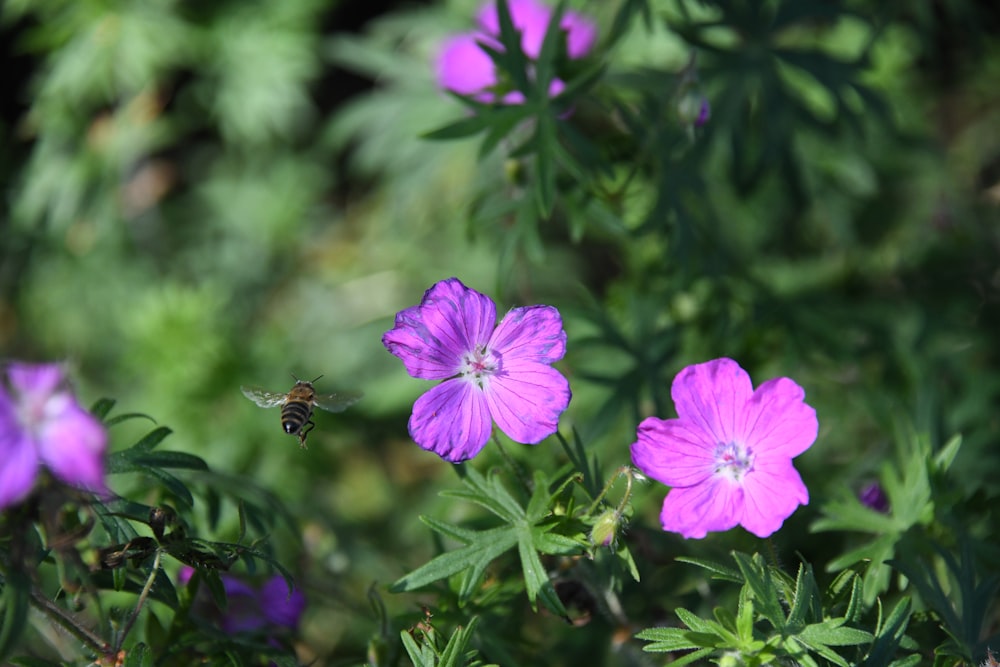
x,y
202,195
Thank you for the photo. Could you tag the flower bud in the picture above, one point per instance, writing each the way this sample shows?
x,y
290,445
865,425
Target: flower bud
x,y
693,108
606,528
874,497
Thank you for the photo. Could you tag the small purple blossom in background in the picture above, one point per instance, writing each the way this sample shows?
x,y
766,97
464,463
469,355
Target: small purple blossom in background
x,y
491,372
694,109
874,497
249,609
41,423
728,455
464,68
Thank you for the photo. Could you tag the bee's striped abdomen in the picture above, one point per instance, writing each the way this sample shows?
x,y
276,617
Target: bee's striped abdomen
x,y
295,414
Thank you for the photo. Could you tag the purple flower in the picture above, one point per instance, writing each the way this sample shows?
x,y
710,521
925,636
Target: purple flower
x,y
874,497
694,109
249,609
463,67
491,372
728,455
41,423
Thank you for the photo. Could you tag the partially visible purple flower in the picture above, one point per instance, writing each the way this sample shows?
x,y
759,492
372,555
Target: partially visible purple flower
x,y
728,455
694,109
532,19
249,608
874,497
491,372
463,67
41,423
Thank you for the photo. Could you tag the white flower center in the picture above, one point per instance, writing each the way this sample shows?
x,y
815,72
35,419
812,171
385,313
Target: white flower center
x,y
733,460
478,365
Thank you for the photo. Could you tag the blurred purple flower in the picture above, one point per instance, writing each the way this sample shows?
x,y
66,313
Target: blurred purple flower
x,y
249,609
463,67
728,455
491,372
41,423
874,497
694,109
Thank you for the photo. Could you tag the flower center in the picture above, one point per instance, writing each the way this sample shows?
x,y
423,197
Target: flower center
x,y
733,460
478,365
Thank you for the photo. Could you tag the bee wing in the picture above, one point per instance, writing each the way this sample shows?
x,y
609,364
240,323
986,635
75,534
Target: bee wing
x,y
336,402
265,399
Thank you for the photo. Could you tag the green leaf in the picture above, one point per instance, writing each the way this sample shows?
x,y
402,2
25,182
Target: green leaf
x,y
489,545
138,656
454,653
833,632
13,610
667,639
536,579
545,164
720,571
420,656
944,458
168,459
102,407
758,578
889,634
489,493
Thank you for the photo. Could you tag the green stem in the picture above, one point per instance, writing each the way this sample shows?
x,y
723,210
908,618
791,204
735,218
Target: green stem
x,y
624,471
70,623
772,553
512,463
138,605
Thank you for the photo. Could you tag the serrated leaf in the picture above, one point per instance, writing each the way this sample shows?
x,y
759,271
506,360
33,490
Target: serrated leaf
x,y
833,632
758,578
667,639
453,654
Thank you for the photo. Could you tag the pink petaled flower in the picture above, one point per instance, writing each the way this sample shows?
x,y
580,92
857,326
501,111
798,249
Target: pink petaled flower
x,y
491,372
728,455
41,423
465,68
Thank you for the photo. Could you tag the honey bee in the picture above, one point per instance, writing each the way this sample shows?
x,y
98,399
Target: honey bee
x,y
297,405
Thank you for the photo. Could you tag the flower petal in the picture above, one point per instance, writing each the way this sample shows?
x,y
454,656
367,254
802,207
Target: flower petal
x,y
581,33
279,606
673,452
526,399
695,511
779,422
463,67
534,333
450,321
531,18
771,494
713,396
34,381
71,443
452,420
18,458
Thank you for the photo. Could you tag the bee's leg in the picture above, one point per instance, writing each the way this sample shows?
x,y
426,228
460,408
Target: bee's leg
x,y
304,431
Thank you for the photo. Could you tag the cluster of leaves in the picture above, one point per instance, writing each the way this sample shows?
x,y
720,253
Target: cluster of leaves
x,y
91,547
779,619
